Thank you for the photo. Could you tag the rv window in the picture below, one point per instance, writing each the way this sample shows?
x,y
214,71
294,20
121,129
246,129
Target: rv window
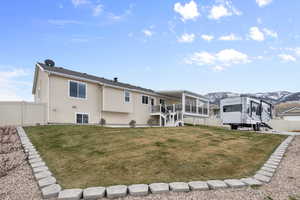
x,y
233,108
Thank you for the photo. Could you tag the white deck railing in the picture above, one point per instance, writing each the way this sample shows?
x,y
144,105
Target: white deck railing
x,y
178,108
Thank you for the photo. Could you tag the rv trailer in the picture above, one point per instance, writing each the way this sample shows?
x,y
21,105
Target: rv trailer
x,y
245,111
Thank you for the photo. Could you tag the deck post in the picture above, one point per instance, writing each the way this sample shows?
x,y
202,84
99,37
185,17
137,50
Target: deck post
x,y
183,103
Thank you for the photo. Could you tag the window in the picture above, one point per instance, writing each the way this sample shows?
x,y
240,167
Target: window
x,y
77,90
145,99
162,101
127,96
255,108
233,108
82,118
152,101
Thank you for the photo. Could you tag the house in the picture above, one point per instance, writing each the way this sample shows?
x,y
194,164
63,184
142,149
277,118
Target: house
x,y
291,114
75,97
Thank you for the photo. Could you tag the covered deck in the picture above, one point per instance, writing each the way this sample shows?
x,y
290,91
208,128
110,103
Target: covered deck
x,y
187,104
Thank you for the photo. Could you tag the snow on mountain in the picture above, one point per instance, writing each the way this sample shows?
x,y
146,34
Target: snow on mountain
x,y
273,97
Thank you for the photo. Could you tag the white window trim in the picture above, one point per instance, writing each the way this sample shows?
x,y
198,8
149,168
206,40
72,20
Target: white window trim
x,y
82,114
149,103
154,101
163,100
86,88
125,96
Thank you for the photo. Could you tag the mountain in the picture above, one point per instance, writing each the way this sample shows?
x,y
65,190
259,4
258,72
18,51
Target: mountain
x,y
273,97
290,97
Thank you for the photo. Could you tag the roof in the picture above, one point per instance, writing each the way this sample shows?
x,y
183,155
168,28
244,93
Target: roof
x,y
70,73
63,71
178,93
295,111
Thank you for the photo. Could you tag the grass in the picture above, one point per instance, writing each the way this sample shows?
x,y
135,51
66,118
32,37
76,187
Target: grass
x,y
83,156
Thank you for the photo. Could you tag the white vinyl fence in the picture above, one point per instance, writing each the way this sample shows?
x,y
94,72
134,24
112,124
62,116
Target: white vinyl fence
x,y
22,113
278,125
284,125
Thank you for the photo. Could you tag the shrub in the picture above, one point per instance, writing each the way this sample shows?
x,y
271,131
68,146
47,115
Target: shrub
x,y
151,122
132,123
102,122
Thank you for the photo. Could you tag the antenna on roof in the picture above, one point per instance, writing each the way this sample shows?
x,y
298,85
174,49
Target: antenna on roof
x,y
49,63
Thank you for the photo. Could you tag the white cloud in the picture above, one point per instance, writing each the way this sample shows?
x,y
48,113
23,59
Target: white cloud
x,y
263,3
270,33
201,58
62,22
188,11
231,56
187,38
223,10
297,51
147,32
12,87
256,34
287,58
259,21
97,10
219,60
115,18
77,3
219,11
218,68
229,37
207,37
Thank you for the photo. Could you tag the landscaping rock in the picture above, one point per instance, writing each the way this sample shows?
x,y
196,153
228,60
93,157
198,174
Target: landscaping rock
x,y
179,187
138,190
46,181
70,194
51,191
116,191
262,178
31,161
216,184
157,188
268,169
251,181
93,193
234,183
43,174
33,157
265,173
270,166
272,163
275,160
198,185
38,164
40,169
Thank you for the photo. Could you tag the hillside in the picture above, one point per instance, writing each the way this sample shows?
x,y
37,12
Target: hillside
x,y
273,97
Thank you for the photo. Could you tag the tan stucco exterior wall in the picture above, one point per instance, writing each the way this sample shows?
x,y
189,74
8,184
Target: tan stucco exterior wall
x,y
41,94
117,111
101,102
63,108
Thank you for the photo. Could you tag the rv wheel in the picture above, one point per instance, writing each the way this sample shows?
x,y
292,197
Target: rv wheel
x,y
257,127
233,127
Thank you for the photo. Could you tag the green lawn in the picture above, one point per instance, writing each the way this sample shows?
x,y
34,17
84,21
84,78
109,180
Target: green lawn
x,y
82,156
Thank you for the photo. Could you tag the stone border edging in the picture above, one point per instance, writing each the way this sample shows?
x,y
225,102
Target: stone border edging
x,y
49,187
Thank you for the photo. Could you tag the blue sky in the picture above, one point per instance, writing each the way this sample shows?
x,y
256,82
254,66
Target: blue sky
x,y
201,45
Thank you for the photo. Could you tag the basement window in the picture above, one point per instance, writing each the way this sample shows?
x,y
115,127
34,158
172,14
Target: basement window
x,y
82,118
